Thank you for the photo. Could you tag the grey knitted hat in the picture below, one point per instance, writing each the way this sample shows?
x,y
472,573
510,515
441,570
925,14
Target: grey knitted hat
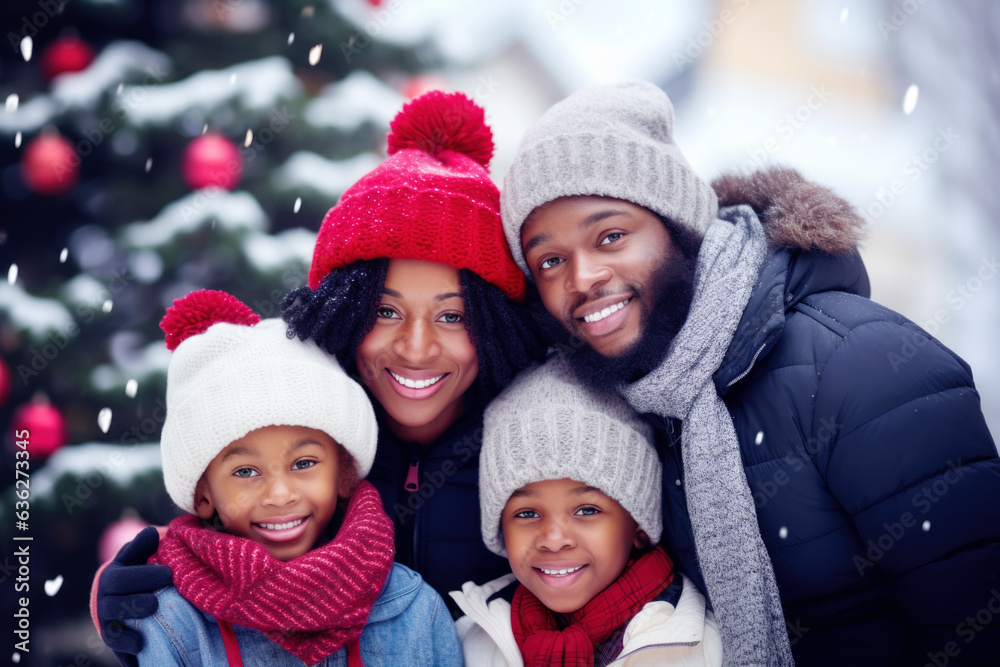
x,y
547,425
613,141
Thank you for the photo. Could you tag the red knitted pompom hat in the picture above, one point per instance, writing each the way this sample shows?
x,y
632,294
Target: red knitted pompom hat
x,y
432,199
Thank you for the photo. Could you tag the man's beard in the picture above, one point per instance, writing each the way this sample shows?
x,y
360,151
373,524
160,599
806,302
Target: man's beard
x,y
672,288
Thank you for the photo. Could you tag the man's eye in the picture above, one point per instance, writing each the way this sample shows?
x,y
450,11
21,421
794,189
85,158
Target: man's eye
x,y
451,318
245,472
611,238
550,262
385,312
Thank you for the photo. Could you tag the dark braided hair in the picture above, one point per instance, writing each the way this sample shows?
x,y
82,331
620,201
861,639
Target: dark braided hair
x,y
342,310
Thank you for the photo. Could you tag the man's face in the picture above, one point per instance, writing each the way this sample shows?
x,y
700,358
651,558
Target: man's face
x,y
595,260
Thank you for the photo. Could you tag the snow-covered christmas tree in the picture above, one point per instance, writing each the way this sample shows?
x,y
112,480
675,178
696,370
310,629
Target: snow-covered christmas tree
x,y
151,149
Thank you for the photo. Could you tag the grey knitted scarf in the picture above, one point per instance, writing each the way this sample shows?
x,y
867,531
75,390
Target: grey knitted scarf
x,y
734,562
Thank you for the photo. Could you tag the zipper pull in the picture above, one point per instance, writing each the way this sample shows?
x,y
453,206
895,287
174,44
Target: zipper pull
x,y
413,474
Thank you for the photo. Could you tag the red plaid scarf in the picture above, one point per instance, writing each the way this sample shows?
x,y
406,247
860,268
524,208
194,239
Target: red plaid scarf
x,y
312,605
536,630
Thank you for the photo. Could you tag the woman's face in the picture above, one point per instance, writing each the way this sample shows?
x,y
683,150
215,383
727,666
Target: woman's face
x,y
417,360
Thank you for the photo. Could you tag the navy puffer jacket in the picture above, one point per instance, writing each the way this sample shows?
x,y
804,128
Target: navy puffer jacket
x,y
875,478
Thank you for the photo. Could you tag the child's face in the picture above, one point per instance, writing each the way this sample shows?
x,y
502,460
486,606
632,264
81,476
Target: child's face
x,y
567,541
276,485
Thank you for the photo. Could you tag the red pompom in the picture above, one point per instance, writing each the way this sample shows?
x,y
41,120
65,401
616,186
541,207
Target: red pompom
x,y
438,121
193,314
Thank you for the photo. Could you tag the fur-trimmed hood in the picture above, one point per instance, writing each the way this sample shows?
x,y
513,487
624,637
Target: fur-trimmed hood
x,y
796,214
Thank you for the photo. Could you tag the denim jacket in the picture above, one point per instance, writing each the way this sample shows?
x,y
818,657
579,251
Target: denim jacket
x,y
409,625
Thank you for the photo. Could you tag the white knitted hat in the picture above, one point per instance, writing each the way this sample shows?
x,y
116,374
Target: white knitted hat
x,y
547,425
612,141
232,373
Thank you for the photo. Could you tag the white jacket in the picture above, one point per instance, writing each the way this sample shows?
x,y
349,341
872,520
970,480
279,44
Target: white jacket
x,y
660,634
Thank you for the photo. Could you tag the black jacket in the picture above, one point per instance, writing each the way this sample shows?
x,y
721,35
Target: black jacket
x,y
437,526
875,478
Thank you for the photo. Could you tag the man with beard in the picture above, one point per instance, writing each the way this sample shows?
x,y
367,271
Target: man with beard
x,y
828,477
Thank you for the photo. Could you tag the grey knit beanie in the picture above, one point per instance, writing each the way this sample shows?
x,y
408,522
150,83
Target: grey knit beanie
x,y
547,425
613,141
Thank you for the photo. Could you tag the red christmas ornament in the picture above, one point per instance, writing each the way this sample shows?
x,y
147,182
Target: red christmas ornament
x,y
50,166
117,535
212,160
419,85
6,381
44,424
66,54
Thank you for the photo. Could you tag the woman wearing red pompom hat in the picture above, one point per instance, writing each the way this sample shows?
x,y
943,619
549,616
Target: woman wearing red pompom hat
x,y
414,290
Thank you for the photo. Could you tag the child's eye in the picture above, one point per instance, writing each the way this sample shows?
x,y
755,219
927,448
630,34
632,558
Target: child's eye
x,y
611,238
589,510
245,472
386,313
304,464
550,262
451,318
526,514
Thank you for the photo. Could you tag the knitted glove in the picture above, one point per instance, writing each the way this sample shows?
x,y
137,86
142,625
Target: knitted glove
x,y
127,590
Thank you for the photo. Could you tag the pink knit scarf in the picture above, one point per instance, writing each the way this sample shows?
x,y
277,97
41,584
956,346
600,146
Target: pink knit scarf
x,y
312,605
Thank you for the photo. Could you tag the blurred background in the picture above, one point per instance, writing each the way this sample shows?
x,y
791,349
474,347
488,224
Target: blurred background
x,y
148,149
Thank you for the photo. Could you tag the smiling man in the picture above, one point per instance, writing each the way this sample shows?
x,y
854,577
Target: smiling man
x,y
800,425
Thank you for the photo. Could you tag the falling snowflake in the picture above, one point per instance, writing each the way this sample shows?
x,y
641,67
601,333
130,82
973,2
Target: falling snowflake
x,y
843,14
249,139
63,255
298,205
131,388
232,78
17,139
104,419
759,439
26,46
291,38
12,274
926,526
149,164
12,100
783,532
106,306
314,54
910,99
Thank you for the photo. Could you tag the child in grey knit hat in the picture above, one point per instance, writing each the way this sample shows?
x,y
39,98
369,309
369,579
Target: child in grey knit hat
x,y
569,486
